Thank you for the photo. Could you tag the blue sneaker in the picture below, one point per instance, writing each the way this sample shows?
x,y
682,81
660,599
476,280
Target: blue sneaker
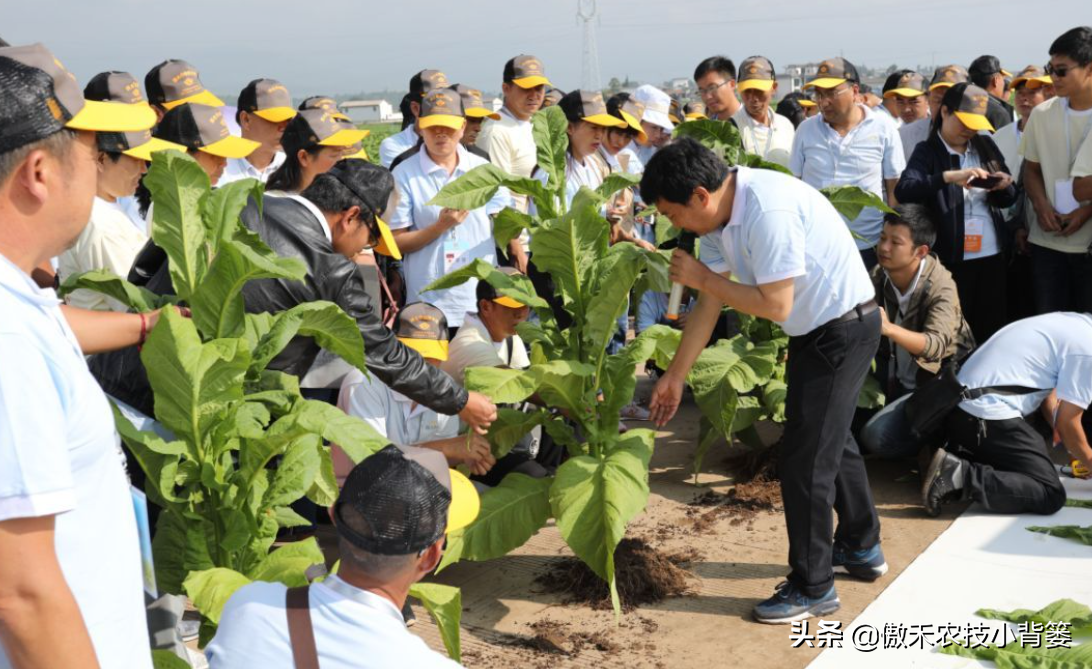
x,y
789,605
866,564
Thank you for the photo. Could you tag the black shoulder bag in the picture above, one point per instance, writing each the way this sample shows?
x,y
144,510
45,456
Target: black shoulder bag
x,y
932,401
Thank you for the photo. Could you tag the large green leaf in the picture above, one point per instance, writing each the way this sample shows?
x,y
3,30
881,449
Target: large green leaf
x,y
1079,503
615,182
508,224
718,403
618,380
567,248
288,564
330,327
615,276
179,187
113,286
502,385
1079,616
517,287
511,513
210,589
743,364
353,435
850,200
472,190
773,399
445,604
156,457
594,498
1075,532
708,436
193,382
511,426
218,305
169,551
295,472
710,132
664,230
221,214
751,160
550,130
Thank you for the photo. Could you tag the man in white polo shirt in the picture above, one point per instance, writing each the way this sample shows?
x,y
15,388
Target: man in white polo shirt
x,y
263,112
764,133
70,573
848,144
436,241
392,517
420,85
774,247
510,142
997,459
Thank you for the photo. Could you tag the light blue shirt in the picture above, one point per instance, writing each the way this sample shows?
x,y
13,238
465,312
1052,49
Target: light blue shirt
x,y
868,154
1051,352
419,180
60,456
354,629
781,228
397,144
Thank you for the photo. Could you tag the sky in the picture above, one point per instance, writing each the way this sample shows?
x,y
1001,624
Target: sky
x,y
345,46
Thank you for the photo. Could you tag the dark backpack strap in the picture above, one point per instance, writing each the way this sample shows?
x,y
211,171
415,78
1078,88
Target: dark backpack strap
x,y
975,393
301,633
508,342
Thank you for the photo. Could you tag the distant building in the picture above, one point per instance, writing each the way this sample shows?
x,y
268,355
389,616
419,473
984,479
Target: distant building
x,y
370,111
680,84
496,104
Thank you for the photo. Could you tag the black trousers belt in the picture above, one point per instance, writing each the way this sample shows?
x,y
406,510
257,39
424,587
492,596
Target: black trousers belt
x,y
856,313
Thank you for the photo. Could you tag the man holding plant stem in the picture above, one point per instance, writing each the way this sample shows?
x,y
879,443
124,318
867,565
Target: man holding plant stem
x,y
775,248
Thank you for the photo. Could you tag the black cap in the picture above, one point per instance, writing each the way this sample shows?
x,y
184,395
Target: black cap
x,y
392,504
984,66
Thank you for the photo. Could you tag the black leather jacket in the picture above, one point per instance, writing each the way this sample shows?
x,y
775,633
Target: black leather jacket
x,y
290,229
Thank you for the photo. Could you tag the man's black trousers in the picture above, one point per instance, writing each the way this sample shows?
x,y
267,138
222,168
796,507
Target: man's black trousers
x,y
820,465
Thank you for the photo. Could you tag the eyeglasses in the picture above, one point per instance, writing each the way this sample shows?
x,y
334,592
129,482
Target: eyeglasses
x,y
828,93
709,90
1057,71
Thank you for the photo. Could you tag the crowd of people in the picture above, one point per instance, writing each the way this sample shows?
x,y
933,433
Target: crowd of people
x,y
975,289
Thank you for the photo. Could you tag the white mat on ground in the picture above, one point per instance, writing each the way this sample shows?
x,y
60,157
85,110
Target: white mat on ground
x,y
982,561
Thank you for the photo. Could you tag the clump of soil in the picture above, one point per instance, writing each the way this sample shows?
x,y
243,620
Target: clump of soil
x,y
758,464
556,638
645,576
742,504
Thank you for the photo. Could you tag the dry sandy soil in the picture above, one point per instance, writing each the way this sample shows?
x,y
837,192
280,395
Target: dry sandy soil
x,y
732,555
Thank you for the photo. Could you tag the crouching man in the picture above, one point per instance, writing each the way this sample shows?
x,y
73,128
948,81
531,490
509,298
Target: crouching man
x,y
994,456
423,328
923,326
391,517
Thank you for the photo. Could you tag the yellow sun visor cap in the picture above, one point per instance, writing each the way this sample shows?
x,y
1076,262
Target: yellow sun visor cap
x,y
387,245
202,128
526,72
971,109
505,301
140,145
267,99
442,107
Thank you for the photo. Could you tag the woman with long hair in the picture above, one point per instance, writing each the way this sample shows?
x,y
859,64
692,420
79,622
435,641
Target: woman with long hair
x,y
960,174
313,143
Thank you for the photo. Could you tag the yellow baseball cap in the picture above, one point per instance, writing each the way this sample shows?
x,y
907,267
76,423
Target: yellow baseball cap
x,y
971,109
201,127
175,82
423,327
267,99
442,107
526,72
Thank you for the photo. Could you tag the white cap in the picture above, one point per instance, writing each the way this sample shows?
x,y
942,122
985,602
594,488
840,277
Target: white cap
x,y
657,106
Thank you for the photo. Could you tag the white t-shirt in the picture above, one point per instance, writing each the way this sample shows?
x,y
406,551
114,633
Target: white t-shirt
x,y
1052,351
510,144
60,456
781,228
238,169
110,241
1044,142
474,347
365,631
772,142
869,154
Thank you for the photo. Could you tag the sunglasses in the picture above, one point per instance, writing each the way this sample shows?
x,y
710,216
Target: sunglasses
x,y
1058,71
